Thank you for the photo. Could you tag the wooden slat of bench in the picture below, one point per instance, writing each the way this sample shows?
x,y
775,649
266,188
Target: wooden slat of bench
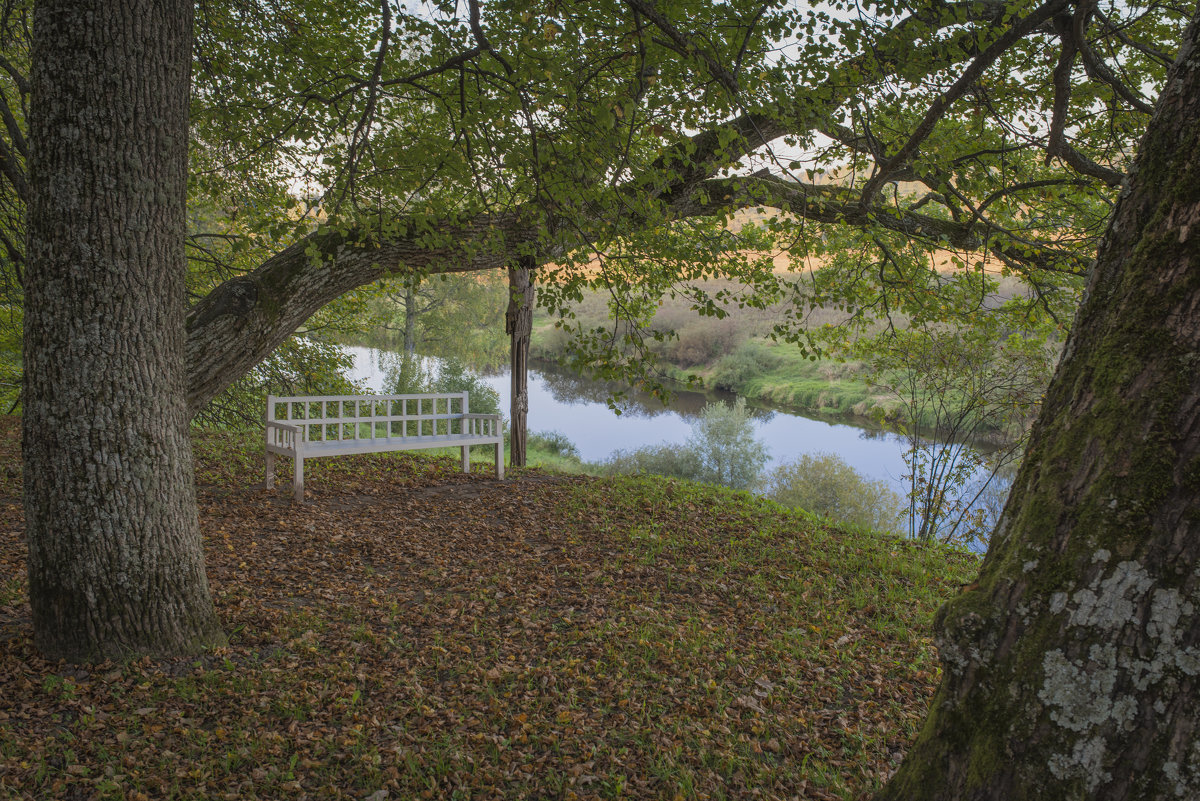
x,y
305,443
330,447
364,398
381,444
432,401
369,408
316,421
421,424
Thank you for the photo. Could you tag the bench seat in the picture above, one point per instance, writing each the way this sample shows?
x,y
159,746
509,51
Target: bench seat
x,y
311,427
312,450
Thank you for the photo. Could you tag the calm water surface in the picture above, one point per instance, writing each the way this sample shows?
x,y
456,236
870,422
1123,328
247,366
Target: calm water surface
x,y
575,406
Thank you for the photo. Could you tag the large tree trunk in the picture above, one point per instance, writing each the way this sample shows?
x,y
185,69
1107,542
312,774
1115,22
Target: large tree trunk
x,y
115,560
1072,670
518,323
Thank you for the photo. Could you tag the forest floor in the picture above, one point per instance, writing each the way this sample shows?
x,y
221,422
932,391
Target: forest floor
x,y
414,632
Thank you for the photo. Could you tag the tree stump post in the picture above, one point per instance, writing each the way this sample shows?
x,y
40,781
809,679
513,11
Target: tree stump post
x,y
518,324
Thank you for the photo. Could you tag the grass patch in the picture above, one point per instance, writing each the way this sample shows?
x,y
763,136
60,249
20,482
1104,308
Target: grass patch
x,y
440,635
782,375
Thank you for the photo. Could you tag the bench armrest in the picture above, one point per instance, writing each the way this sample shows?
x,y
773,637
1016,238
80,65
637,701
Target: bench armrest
x,y
285,435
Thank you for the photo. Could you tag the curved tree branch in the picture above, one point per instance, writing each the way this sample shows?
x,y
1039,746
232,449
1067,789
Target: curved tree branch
x,y
241,321
1019,30
685,45
1056,144
1095,66
831,204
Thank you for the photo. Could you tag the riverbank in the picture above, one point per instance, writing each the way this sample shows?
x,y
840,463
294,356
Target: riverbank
x,y
778,376
542,637
735,355
781,375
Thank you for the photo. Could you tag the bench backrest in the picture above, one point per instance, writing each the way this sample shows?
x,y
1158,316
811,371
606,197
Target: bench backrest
x,y
340,417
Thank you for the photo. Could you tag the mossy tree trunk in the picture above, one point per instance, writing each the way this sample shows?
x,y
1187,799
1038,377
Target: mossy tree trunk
x,y
518,323
1072,669
115,560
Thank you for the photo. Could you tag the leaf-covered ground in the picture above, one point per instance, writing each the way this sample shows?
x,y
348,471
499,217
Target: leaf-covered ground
x,y
412,632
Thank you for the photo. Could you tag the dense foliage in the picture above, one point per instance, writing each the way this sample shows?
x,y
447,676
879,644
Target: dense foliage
x,y
721,449
916,151
822,483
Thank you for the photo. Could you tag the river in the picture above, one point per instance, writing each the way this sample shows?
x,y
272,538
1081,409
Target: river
x,y
576,407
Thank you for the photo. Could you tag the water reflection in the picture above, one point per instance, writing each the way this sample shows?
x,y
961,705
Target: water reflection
x,y
404,373
571,388
578,407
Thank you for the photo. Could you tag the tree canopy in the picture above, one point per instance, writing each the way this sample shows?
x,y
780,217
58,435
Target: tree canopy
x,y
336,143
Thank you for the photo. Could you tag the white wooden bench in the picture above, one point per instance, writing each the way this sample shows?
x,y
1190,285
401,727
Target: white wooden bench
x,y
308,427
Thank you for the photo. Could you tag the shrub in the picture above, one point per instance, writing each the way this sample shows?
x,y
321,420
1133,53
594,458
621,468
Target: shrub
x,y
720,450
752,360
674,461
454,376
702,341
406,374
960,383
724,444
553,442
824,484
549,342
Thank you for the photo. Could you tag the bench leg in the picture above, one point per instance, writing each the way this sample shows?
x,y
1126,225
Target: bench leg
x,y
466,458
500,461
270,479
298,480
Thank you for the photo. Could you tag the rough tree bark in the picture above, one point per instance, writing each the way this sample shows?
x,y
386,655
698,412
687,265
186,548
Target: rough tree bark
x,y
518,324
115,562
1072,668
